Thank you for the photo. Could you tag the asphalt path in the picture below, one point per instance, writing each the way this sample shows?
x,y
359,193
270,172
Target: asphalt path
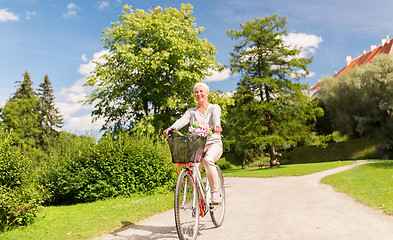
x,y
293,208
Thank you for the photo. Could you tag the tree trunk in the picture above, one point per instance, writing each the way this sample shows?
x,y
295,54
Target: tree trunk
x,y
271,148
273,155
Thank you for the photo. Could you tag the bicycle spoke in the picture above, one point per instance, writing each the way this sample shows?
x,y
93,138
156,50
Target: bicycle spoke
x,y
218,211
186,207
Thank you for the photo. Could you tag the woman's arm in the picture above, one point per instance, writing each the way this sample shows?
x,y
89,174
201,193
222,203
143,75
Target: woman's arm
x,y
217,118
181,122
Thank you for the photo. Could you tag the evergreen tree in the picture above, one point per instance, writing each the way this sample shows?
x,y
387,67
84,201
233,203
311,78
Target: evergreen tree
x,y
20,113
270,109
49,115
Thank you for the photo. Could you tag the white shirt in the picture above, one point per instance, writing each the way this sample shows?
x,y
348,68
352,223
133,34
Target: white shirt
x,y
212,117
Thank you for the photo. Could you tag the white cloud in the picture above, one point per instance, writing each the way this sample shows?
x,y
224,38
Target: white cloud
x,y
84,58
72,11
29,14
102,5
72,110
68,109
86,69
76,92
2,102
307,42
77,116
302,72
6,16
218,76
83,123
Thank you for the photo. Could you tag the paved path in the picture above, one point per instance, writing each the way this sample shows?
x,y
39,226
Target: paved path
x,y
293,208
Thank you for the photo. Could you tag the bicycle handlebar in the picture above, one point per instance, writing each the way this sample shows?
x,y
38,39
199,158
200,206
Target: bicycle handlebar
x,y
172,131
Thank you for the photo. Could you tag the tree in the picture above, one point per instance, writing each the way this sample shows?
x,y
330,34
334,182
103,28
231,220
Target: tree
x,y
359,102
270,107
154,60
20,113
49,117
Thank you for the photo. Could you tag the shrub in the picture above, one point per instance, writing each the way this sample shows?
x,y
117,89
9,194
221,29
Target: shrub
x,y
110,168
19,199
224,164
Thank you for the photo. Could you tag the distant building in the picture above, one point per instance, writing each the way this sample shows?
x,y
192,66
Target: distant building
x,y
367,57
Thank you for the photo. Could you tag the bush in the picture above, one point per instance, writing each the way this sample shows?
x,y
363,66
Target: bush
x,y
19,199
224,164
110,168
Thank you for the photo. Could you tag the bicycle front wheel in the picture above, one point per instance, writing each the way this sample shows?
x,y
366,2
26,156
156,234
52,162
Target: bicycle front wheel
x,y
186,207
217,212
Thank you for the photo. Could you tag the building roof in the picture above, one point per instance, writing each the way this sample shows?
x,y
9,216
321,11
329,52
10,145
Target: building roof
x,y
367,57
386,47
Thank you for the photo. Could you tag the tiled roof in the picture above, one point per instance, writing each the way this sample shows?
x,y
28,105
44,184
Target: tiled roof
x,y
315,86
367,57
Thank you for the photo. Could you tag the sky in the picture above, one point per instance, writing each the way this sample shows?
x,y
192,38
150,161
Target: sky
x,y
61,39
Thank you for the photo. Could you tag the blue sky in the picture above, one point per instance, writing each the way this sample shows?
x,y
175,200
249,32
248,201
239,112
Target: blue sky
x,y
60,38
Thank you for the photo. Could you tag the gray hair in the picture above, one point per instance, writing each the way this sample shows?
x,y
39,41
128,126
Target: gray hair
x,y
203,85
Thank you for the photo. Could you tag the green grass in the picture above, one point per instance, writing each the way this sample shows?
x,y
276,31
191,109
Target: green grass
x,y
370,184
354,149
88,220
284,170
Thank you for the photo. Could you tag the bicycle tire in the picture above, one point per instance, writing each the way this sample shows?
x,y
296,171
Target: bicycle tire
x,y
217,213
186,207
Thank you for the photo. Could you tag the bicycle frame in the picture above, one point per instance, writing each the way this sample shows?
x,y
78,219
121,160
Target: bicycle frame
x,y
197,180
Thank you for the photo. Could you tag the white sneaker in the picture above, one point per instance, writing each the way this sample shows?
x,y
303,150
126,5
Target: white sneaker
x,y
216,199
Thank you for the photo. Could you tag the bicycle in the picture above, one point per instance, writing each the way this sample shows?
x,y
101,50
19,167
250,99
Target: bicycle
x,y
192,194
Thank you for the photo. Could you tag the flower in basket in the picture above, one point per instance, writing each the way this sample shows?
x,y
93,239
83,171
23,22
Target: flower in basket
x,y
202,130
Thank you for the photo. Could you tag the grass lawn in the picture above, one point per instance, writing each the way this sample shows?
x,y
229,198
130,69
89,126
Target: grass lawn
x,y
370,184
361,148
88,220
284,170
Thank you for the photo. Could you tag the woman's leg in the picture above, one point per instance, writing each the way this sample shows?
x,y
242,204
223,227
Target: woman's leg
x,y
213,153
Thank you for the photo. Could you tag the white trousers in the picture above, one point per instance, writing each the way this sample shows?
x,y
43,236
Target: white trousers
x,y
213,152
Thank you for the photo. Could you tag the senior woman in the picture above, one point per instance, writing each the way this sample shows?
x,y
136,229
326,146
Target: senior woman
x,y
205,113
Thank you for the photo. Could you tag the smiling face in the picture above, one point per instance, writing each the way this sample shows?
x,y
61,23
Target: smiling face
x,y
200,94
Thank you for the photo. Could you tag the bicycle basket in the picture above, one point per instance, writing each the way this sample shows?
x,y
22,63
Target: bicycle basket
x,y
188,148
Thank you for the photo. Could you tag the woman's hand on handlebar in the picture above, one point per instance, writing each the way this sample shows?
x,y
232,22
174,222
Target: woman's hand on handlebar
x,y
217,129
166,132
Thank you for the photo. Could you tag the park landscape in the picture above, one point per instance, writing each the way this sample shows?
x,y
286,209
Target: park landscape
x,y
59,185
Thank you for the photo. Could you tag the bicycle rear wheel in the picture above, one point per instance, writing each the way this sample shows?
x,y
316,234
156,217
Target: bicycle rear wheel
x,y
218,211
186,207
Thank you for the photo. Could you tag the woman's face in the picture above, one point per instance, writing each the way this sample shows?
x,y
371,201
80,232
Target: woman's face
x,y
200,94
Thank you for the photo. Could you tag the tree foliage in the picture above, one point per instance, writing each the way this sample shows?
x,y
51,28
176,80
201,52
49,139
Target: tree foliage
x,y
49,117
20,113
270,107
81,170
32,117
19,198
154,60
360,101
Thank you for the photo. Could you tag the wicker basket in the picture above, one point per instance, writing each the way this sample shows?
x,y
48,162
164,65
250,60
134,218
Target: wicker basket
x,y
188,148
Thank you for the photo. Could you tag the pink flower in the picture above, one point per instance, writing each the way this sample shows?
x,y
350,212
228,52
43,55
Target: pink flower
x,y
201,130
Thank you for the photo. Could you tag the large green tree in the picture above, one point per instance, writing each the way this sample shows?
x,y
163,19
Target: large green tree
x,y
271,109
49,117
20,113
360,101
154,60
